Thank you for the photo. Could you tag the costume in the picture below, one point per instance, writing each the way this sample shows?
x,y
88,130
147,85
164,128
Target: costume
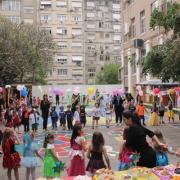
x,y
170,112
34,118
62,117
108,114
161,110
16,120
69,117
30,159
153,119
49,163
83,116
54,119
9,121
125,162
162,159
11,158
76,154
96,162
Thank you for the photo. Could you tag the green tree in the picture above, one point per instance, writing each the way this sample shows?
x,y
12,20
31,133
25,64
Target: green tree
x,y
163,60
108,74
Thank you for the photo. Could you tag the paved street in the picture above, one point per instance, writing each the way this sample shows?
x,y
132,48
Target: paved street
x,y
112,138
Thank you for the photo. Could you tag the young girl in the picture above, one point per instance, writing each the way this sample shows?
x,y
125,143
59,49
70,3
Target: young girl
x,y
161,112
50,157
170,112
8,118
161,153
77,115
108,114
30,160
77,152
11,158
82,115
153,119
124,162
16,121
95,153
96,111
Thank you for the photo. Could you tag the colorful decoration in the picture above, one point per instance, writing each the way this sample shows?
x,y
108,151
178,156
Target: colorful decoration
x,y
120,92
24,92
59,167
156,91
115,91
1,89
90,90
138,88
135,157
56,91
61,93
140,92
75,92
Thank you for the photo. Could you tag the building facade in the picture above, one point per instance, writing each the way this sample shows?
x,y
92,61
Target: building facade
x,y
138,39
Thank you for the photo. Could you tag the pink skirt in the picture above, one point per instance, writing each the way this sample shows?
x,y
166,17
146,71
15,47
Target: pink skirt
x,y
73,169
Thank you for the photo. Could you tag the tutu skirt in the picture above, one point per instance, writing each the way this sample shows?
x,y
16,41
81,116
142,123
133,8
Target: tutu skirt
x,y
170,113
31,162
124,166
153,119
94,165
11,160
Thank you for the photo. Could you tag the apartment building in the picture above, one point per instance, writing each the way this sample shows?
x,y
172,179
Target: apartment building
x,y
138,39
102,35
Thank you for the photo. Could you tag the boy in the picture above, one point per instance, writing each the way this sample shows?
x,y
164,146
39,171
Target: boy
x,y
34,118
54,117
25,119
132,108
83,115
62,118
140,109
34,101
108,114
38,102
69,117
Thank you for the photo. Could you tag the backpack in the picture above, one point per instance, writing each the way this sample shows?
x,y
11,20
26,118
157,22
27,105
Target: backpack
x,y
162,159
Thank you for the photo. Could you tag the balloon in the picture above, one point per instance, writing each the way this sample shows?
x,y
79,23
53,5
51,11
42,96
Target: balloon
x,y
51,91
140,92
1,89
68,90
19,88
45,92
56,91
115,91
177,88
24,92
172,91
138,88
90,90
104,91
79,92
75,92
39,87
156,90
7,86
61,93
120,92
76,88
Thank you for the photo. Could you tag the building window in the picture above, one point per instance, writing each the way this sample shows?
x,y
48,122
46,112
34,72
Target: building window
x,y
76,45
101,3
101,47
101,35
61,4
117,37
116,27
107,46
101,58
77,4
107,58
134,63
91,36
143,25
28,9
46,3
62,72
61,17
125,38
61,31
116,6
15,19
45,17
116,16
61,59
101,24
143,55
106,35
132,1
92,72
49,73
133,27
90,25
62,44
154,5
100,14
76,18
125,6
11,5
91,48
90,15
47,29
76,31
90,4
117,47
126,65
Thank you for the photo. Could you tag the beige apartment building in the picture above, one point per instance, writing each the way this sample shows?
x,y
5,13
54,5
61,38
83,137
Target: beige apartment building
x,y
138,39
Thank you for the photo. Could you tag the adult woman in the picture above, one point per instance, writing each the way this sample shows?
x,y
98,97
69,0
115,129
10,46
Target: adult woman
x,y
136,139
57,99
118,108
45,105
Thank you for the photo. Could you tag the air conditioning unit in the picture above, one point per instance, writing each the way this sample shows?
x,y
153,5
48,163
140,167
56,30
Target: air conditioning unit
x,y
126,29
127,1
73,35
72,9
90,40
41,7
76,22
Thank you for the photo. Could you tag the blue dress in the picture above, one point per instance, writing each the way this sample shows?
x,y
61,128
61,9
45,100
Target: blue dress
x,y
30,159
162,159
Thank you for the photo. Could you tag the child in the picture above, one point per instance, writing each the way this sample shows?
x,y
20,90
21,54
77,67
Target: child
x,y
140,109
170,112
11,158
77,152
30,160
77,115
34,119
34,101
153,119
161,153
62,118
8,118
25,119
38,102
83,115
63,101
96,111
107,99
50,157
50,100
69,117
95,154
20,112
161,112
16,121
54,117
124,162
132,108
108,114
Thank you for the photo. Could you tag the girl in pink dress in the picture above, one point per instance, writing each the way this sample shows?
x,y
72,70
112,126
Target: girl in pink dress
x,y
77,152
124,162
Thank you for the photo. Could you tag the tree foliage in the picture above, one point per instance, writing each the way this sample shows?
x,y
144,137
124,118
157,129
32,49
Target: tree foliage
x,y
108,74
163,60
25,50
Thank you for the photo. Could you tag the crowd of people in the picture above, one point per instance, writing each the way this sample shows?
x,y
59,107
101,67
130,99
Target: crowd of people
x,y
152,154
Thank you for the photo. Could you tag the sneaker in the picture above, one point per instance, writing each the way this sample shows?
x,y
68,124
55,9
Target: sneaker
x,y
144,124
107,126
163,122
116,124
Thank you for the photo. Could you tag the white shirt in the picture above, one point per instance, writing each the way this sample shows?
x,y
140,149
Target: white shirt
x,y
76,116
32,118
96,112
